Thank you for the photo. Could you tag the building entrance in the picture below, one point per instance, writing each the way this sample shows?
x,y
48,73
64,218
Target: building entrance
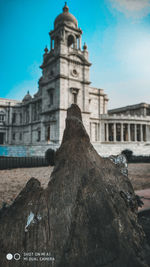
x,y
1,138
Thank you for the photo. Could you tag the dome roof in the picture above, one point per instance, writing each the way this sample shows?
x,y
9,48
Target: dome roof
x,y
27,97
66,17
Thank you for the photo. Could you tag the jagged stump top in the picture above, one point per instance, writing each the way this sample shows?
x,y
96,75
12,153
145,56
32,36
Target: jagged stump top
x,y
74,126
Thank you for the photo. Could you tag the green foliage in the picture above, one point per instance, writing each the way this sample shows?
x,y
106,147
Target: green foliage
x,y
50,156
128,153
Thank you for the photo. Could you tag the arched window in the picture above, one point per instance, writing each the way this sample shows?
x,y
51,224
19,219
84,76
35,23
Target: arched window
x,y
2,116
74,92
70,41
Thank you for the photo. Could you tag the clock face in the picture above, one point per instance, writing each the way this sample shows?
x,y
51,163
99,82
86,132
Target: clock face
x,y
74,73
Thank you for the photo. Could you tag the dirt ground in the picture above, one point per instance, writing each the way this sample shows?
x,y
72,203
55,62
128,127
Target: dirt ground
x,y
12,181
139,175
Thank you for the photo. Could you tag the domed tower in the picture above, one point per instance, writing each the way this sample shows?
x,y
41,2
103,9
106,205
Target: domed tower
x,y
65,68
66,33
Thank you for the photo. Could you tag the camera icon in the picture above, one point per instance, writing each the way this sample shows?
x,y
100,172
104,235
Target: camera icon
x,y
10,256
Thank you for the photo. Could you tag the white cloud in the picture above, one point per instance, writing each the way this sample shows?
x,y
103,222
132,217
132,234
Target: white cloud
x,y
128,92
134,8
133,51
123,68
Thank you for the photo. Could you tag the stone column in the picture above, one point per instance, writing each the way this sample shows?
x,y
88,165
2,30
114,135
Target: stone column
x,y
6,138
146,133
129,133
80,42
43,132
10,126
30,122
22,127
122,139
107,132
7,122
144,112
114,126
135,133
99,132
90,132
141,132
64,35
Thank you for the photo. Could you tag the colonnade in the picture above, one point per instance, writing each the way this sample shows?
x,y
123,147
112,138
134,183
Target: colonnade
x,y
123,132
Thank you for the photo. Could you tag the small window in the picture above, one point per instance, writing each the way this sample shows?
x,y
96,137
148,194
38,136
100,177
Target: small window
x,y
34,112
14,118
70,41
1,117
52,72
51,99
2,138
39,136
20,136
20,117
27,117
14,136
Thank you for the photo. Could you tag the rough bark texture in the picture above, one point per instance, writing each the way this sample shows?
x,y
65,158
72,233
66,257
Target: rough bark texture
x,y
144,220
86,217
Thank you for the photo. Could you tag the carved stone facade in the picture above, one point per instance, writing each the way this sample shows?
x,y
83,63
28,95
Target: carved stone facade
x,y
40,120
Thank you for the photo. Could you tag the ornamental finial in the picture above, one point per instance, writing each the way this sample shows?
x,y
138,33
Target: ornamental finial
x,y
46,50
66,8
85,46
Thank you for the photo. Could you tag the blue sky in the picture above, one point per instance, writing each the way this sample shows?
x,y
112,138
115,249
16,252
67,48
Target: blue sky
x,y
117,33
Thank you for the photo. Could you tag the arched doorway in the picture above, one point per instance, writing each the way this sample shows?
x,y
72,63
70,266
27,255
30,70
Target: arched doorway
x,y
1,138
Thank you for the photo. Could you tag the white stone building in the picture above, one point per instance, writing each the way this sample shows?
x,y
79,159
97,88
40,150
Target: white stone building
x,y
38,121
